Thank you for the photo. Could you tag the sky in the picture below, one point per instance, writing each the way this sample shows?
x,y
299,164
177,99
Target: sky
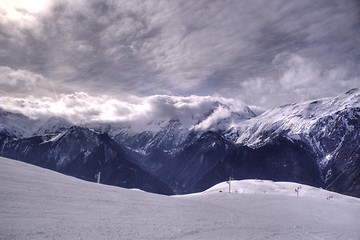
x,y
106,57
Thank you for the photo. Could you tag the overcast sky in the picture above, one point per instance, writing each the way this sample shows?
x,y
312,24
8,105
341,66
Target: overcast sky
x,y
260,52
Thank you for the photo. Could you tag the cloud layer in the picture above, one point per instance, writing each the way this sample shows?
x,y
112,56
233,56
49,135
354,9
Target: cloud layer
x,y
264,53
80,108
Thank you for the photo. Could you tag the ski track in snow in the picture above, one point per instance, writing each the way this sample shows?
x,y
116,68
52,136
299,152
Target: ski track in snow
x,y
36,203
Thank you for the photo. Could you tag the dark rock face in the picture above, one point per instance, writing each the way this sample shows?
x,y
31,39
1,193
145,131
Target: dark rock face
x,y
82,153
211,159
280,160
185,166
340,141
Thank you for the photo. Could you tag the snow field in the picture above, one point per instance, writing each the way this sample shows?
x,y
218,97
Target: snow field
x,y
36,203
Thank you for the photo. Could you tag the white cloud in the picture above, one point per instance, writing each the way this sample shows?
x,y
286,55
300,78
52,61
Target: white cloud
x,y
18,81
137,111
202,47
297,72
298,79
213,119
24,83
23,13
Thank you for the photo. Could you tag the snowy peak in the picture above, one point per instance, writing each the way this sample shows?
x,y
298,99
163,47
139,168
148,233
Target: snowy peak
x,y
353,91
53,125
170,136
295,120
21,126
171,132
323,107
16,124
214,116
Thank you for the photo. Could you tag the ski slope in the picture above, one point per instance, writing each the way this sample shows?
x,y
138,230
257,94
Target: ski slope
x,y
36,203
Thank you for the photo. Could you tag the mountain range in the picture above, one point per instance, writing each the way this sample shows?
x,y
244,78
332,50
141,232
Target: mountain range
x,y
315,143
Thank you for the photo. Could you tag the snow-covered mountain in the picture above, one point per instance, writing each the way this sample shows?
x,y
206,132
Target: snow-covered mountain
x,y
329,127
41,204
21,126
300,120
82,152
16,124
172,132
53,125
315,143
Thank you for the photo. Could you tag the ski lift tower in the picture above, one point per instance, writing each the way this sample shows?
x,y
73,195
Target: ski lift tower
x,y
97,176
229,182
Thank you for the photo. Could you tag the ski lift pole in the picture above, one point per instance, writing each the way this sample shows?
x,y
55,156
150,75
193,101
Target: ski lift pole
x,y
229,182
297,191
97,176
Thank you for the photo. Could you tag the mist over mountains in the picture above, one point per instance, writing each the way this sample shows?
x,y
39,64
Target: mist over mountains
x,y
176,145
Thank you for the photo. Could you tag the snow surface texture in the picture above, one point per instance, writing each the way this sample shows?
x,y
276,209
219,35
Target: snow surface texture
x,y
40,204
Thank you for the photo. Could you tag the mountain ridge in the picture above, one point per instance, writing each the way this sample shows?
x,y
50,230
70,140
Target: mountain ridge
x,y
324,134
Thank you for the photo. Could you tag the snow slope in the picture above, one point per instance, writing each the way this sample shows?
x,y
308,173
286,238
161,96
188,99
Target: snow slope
x,y
297,119
40,204
268,187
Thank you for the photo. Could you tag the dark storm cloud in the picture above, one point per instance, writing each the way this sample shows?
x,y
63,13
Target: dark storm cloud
x,y
263,52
